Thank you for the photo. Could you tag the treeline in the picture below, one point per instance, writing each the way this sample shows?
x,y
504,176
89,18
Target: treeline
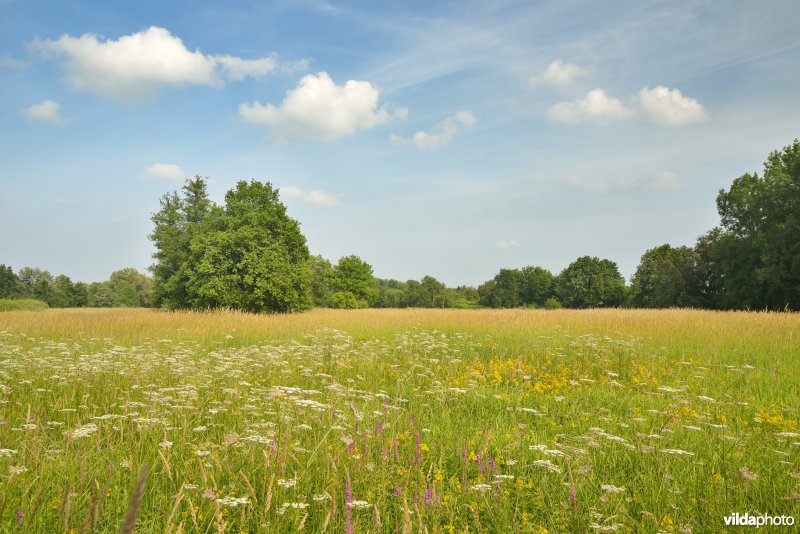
x,y
248,254
126,288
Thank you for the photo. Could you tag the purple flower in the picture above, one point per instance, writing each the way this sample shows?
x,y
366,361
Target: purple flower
x,y
463,454
398,490
428,497
19,516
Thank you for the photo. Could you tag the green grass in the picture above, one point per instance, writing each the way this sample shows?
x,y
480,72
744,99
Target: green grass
x,y
21,304
445,421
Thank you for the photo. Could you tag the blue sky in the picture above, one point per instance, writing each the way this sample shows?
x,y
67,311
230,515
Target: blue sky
x,y
441,138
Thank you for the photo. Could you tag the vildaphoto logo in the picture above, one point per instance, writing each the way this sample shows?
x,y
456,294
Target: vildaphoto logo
x,y
758,521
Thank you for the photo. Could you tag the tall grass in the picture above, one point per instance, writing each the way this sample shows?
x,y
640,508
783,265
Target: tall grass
x,y
397,420
21,304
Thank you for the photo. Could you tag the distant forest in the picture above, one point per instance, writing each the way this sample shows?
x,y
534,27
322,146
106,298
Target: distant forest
x,y
248,254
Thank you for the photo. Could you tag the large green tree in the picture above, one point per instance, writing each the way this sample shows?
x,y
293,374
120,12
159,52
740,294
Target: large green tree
x,y
9,283
249,255
758,250
177,222
590,282
353,284
667,277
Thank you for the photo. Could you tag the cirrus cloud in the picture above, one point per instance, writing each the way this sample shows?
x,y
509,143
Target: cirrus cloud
x,y
504,245
135,66
320,109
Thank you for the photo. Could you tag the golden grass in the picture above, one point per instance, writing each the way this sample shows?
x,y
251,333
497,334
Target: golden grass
x,y
709,331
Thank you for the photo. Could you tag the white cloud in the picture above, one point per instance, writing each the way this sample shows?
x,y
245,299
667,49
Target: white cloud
x,y
320,109
595,105
666,181
670,107
47,111
135,66
557,73
442,133
506,244
292,192
8,62
602,184
165,171
317,197
320,197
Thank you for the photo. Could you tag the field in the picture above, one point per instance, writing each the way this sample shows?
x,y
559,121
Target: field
x,y
397,421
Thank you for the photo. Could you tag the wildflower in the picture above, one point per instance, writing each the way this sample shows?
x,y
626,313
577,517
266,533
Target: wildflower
x,y
7,452
292,482
482,488
678,452
609,488
202,453
359,505
547,464
233,502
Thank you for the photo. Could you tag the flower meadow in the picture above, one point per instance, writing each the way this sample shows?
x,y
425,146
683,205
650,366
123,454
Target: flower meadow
x,y
564,421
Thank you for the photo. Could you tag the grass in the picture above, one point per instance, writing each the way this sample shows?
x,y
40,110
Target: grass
x,y
397,420
21,304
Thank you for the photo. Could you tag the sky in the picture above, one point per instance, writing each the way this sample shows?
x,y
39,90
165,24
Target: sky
x,y
448,139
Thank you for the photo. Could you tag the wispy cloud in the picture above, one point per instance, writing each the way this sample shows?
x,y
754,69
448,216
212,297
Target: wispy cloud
x,y
557,73
316,197
320,109
442,133
45,111
504,245
136,66
165,171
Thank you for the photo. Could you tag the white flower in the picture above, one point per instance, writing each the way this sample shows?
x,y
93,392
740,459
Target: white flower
x,y
677,451
233,502
482,488
359,505
292,482
202,453
609,488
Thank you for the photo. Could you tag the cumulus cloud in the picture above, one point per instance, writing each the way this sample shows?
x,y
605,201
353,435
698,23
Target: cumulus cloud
x,y
557,73
318,108
506,244
165,171
668,106
135,66
596,105
317,197
47,111
442,133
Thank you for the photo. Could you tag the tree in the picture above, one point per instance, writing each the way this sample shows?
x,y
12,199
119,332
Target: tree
x,y
63,293
100,295
591,283
9,283
536,285
131,288
321,280
249,255
176,224
668,277
758,249
354,276
35,283
428,293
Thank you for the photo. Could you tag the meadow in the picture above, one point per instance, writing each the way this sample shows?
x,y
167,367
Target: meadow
x,y
397,420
